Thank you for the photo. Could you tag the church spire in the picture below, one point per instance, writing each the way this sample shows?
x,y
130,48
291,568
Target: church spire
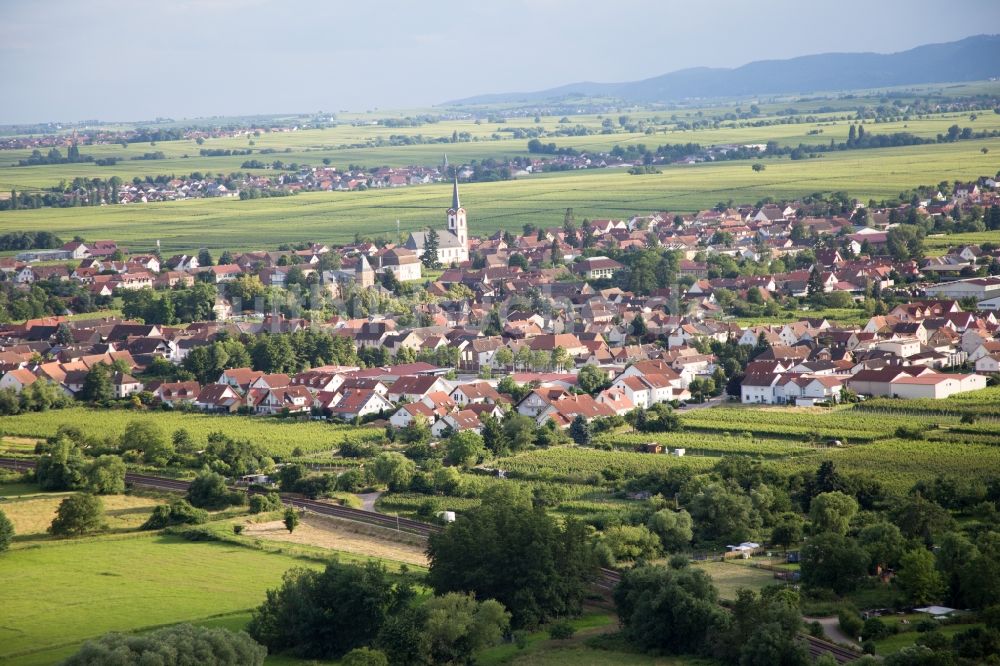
x,y
455,204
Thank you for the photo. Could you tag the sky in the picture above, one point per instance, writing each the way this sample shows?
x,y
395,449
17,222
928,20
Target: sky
x,y
69,60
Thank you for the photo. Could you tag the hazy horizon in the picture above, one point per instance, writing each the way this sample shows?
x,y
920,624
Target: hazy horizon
x,y
67,61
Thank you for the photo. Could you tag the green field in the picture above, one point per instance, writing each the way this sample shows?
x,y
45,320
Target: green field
x,y
59,595
280,438
541,200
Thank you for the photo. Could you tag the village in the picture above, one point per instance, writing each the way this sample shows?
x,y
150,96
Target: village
x,y
545,323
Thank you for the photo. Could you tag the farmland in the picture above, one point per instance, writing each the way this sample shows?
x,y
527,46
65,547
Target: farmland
x,y
540,199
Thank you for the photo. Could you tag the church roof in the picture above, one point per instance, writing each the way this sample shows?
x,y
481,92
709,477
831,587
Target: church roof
x,y
418,239
455,203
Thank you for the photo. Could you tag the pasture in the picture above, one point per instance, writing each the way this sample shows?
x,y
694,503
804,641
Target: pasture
x,y
540,200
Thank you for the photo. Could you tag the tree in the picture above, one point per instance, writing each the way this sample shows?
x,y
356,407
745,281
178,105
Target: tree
x,y
758,167
429,257
669,610
919,578
630,543
205,257
291,519
905,242
509,550
503,357
674,529
394,470
493,436
723,514
591,379
106,476
324,615
147,436
464,449
833,561
815,284
61,465
6,531
209,491
579,431
658,418
78,514
832,512
884,544
638,326
456,626
172,646
764,629
97,386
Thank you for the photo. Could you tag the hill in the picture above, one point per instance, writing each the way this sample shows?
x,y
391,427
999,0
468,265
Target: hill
x,y
970,59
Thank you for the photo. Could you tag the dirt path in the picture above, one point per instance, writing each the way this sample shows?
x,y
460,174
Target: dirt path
x,y
831,627
315,532
368,500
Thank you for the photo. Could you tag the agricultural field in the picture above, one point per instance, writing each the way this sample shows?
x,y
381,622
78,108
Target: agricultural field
x,y
280,438
542,199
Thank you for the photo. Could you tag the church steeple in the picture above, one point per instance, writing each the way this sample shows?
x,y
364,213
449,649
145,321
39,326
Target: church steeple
x,y
455,203
457,223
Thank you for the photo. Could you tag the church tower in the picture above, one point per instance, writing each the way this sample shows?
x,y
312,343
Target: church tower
x,y
456,219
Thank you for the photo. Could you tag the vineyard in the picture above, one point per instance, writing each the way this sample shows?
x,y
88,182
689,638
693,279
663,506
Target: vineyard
x,y
900,463
704,444
587,465
280,438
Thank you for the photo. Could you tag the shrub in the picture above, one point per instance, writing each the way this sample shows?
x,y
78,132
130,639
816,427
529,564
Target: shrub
x,y
365,657
561,630
178,512
209,491
6,531
850,623
265,503
875,629
172,646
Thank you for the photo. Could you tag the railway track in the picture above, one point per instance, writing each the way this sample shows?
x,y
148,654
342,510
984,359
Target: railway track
x,y
817,647
606,581
323,508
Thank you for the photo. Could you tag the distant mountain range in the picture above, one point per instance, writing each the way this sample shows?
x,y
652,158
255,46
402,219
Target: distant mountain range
x,y
970,59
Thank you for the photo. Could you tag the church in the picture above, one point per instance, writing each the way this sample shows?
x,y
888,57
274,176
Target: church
x,y
453,242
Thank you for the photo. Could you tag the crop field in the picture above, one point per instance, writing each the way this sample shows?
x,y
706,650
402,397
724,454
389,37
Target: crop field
x,y
279,438
542,200
59,595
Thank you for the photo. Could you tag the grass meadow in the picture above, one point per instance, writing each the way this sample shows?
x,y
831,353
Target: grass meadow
x,y
280,438
61,594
